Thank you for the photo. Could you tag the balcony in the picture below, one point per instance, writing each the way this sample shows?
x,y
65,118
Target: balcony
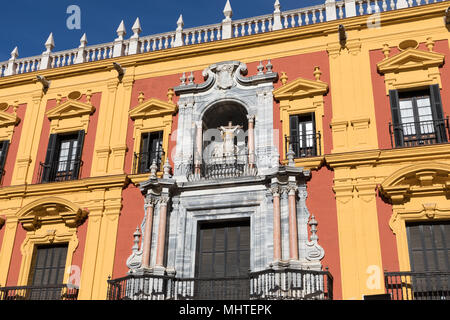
x,y
50,292
60,171
143,161
419,133
284,284
304,146
418,285
224,167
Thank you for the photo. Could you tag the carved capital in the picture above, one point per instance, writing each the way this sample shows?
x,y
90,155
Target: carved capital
x,y
275,190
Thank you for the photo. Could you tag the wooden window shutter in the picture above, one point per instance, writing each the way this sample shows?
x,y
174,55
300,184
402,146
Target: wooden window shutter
x,y
79,152
50,157
396,120
438,113
4,151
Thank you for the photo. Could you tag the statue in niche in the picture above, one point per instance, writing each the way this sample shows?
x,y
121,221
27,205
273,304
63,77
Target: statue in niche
x,y
228,134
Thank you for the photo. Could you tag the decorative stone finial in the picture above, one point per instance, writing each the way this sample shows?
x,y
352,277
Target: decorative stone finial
x,y
269,66
88,96
430,44
136,235
153,169
50,43
291,156
313,224
15,53
227,11
180,23
191,78
170,94
58,99
277,16
183,79
277,6
167,168
121,32
317,73
386,50
136,28
83,41
283,78
260,68
141,97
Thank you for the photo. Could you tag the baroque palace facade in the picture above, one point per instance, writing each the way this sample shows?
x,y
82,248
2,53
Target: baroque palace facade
x,y
297,155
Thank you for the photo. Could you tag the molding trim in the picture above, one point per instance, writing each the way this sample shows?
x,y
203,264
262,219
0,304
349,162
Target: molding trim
x,y
71,115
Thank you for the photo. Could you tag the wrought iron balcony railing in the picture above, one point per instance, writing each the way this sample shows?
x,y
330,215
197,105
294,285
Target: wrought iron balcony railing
x,y
143,161
419,133
60,171
49,292
223,167
284,284
304,146
418,285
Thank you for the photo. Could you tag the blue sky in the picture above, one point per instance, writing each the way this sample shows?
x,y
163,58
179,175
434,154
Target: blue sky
x,y
27,23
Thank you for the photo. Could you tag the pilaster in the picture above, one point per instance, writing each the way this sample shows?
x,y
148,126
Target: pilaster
x,y
29,139
107,242
7,247
104,129
352,99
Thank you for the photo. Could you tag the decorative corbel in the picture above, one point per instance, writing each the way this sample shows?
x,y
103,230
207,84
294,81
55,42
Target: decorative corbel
x,y
31,223
74,220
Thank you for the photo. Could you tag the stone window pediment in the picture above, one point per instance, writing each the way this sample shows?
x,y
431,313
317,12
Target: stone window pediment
x,y
71,115
411,68
411,59
7,123
301,88
152,108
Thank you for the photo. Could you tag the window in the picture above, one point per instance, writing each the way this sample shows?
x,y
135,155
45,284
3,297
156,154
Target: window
x,y
223,260
151,149
63,160
303,136
429,246
47,272
418,117
3,152
429,251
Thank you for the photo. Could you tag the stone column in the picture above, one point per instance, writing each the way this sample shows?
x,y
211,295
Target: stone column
x,y
276,224
199,146
251,140
148,234
159,265
293,236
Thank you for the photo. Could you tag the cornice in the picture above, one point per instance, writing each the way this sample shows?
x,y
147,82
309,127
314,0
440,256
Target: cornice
x,y
377,157
53,188
273,37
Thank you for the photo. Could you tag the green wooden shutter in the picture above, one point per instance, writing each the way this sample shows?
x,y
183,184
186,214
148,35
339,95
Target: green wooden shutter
x,y
50,157
438,113
144,157
396,118
4,151
294,134
79,152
